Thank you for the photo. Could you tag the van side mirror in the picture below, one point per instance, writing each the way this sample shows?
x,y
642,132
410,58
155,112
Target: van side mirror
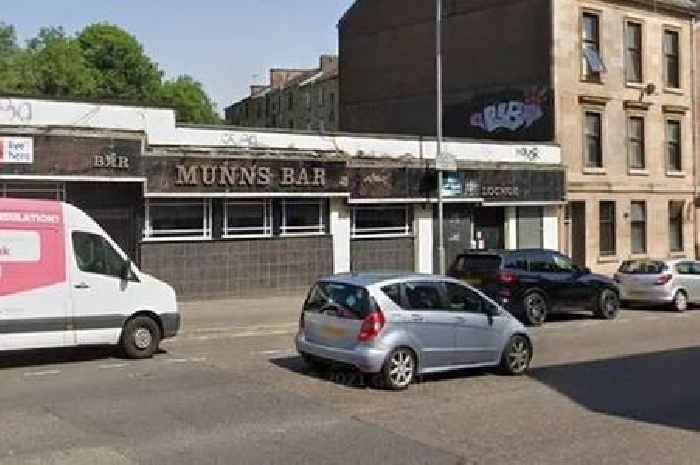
x,y
126,270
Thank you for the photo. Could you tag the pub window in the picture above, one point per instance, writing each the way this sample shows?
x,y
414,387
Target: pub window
x,y
381,221
673,146
592,131
593,65
633,52
607,228
178,219
635,142
303,217
638,215
672,73
42,191
675,226
245,219
529,232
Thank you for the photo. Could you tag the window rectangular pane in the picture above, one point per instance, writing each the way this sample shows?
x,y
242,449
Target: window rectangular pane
x,y
592,63
593,156
178,219
607,228
671,59
529,227
636,142
675,226
303,217
673,145
30,190
638,216
379,221
247,218
633,55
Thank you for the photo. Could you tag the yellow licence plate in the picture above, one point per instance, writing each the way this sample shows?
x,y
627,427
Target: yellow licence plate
x,y
332,331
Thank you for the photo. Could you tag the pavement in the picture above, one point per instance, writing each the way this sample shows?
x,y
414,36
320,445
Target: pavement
x,y
230,390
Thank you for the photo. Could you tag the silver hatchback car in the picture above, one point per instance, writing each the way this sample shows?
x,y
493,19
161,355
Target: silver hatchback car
x,y
668,282
401,325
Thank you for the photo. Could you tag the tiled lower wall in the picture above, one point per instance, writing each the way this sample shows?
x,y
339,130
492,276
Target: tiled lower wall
x,y
382,254
218,269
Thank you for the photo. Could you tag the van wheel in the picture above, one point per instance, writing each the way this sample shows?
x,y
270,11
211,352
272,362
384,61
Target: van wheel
x,y
608,306
680,302
535,308
399,369
517,356
140,338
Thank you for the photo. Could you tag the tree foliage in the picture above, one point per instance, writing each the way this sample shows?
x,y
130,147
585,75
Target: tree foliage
x,y
101,61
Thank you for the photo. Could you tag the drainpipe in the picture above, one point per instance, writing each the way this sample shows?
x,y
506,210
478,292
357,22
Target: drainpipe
x,y
695,129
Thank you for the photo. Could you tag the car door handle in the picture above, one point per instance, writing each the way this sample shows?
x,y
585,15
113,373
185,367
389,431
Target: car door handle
x,y
82,286
416,318
460,319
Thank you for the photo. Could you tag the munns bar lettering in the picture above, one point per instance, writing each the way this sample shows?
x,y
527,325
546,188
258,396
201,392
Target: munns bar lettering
x,y
228,175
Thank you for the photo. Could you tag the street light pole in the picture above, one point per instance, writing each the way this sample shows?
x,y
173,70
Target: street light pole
x,y
438,63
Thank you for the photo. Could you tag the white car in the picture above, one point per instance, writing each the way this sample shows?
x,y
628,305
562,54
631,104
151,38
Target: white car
x,y
64,282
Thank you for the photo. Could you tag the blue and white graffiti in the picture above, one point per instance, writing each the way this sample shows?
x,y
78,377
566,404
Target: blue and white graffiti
x,y
511,115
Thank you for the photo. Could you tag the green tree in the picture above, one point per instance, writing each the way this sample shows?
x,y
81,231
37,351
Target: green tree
x,y
11,60
191,103
58,67
125,72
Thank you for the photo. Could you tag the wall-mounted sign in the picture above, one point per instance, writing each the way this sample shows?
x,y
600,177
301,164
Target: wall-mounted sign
x,y
111,160
229,175
16,150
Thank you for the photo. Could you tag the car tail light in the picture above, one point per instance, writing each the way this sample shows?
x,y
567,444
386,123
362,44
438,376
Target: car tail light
x,y
506,277
371,326
663,280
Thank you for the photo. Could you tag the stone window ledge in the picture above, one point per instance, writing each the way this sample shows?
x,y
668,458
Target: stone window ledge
x,y
673,90
592,170
608,259
676,174
638,172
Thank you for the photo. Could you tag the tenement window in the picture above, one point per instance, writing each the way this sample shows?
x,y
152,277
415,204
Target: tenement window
x,y
673,146
303,217
178,219
607,228
379,221
635,142
675,226
592,130
247,219
590,43
633,52
638,215
671,60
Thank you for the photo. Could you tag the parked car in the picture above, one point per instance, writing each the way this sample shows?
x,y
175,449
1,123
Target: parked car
x,y
398,326
668,282
64,282
532,283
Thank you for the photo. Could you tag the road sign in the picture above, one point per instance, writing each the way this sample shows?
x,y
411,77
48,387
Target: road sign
x,y
446,162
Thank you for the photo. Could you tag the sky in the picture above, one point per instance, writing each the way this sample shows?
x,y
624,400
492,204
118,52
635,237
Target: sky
x,y
225,44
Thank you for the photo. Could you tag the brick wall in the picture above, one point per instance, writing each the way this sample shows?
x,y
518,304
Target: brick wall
x,y
382,255
238,268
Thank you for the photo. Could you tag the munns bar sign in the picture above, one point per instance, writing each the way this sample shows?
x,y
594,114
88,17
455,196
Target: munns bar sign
x,y
231,175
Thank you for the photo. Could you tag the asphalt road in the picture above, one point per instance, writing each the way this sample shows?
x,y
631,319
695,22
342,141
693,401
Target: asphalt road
x,y
230,390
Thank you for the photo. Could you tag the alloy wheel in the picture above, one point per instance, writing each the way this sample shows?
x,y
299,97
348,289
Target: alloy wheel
x,y
536,308
401,368
519,355
143,338
610,304
680,301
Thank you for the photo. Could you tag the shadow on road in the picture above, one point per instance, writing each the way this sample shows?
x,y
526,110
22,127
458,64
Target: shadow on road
x,y
38,357
659,388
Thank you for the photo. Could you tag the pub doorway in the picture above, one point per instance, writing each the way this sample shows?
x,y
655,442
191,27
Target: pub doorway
x,y
489,228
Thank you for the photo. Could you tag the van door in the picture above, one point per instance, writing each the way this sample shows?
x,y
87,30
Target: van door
x,y
101,297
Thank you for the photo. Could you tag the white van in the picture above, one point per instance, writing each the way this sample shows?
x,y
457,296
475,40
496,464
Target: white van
x,y
64,282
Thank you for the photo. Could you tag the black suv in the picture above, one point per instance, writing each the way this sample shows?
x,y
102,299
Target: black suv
x,y
534,282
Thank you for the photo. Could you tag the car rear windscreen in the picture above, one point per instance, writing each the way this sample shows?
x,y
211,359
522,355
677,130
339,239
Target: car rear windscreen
x,y
339,300
642,267
480,263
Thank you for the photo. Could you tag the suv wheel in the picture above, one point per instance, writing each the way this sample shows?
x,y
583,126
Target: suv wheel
x,y
399,369
608,305
535,308
680,301
517,355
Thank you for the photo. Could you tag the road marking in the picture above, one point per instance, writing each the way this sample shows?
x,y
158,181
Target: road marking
x,y
211,337
109,366
228,329
42,373
186,360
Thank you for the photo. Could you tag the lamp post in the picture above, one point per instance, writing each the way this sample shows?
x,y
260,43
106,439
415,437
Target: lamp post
x,y
438,154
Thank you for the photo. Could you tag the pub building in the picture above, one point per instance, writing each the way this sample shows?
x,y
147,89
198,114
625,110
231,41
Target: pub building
x,y
226,211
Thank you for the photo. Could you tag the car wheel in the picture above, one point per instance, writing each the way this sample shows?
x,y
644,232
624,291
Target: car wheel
x,y
140,337
608,306
399,369
517,356
680,301
535,308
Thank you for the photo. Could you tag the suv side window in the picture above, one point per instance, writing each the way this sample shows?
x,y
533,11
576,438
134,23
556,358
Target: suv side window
x,y
563,264
463,299
695,268
516,262
542,263
93,254
424,296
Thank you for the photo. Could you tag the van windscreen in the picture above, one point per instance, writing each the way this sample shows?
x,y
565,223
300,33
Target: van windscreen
x,y
339,300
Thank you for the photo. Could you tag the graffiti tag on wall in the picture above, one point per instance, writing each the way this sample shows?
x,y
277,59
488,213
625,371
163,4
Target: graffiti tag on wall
x,y
511,115
16,111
